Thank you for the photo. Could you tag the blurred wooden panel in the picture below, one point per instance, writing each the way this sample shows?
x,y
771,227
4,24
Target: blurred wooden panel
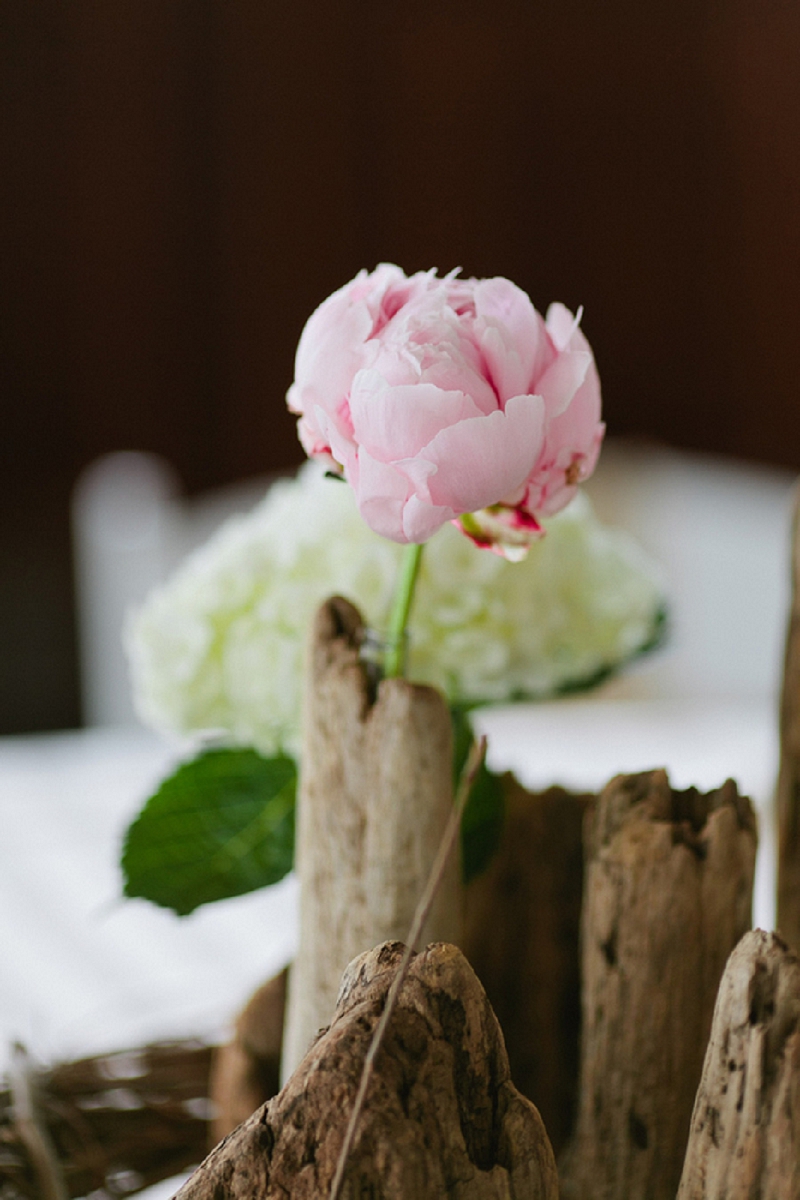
x,y
560,145
752,72
284,136
186,179
139,222
37,661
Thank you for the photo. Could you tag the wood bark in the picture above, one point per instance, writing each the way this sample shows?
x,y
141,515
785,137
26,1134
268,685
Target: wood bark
x,y
375,794
521,936
745,1137
668,895
788,794
442,1117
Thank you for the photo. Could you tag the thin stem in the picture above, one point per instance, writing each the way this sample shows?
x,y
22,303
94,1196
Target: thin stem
x,y
401,607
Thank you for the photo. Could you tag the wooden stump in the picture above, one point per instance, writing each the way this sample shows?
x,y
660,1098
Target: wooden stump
x,y
374,798
745,1138
668,895
521,937
788,795
442,1117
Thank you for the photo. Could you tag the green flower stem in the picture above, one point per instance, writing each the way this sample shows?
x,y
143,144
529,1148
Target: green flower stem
x,y
401,607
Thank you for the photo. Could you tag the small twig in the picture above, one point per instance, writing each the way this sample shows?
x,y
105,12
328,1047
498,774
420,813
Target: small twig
x,y
31,1130
471,767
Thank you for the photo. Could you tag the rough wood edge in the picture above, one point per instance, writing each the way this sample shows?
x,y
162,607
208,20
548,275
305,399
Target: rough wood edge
x,y
374,798
745,1132
443,1118
668,894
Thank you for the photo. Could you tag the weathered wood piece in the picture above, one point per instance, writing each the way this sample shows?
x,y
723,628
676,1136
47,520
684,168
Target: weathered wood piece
x,y
668,895
442,1118
745,1136
788,793
117,1122
246,1071
375,794
522,918
521,936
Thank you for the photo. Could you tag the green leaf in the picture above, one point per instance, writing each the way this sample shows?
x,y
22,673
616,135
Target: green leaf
x,y
221,826
482,823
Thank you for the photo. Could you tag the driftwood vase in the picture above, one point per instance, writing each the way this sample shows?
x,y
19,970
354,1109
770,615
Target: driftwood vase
x,y
668,893
521,937
375,795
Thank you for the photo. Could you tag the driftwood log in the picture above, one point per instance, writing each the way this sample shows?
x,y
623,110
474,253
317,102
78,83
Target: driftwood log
x,y
442,1117
788,794
115,1123
521,937
522,918
668,895
374,798
745,1138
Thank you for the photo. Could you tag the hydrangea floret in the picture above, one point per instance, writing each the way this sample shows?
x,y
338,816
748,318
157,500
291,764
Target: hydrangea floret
x,y
219,647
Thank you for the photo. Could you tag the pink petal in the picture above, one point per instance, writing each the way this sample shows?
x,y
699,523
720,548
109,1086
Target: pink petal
x,y
332,431
421,521
332,344
329,352
397,422
479,461
438,354
381,493
511,337
561,325
576,425
562,379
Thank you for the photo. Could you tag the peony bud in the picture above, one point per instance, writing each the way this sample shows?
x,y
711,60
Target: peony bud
x,y
448,400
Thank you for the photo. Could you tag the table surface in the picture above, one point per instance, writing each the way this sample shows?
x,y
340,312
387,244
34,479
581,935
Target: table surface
x,y
86,971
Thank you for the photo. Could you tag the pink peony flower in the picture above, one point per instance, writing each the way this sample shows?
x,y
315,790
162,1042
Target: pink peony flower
x,y
448,400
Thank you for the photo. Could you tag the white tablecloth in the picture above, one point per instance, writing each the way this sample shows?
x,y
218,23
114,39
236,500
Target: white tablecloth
x,y
84,970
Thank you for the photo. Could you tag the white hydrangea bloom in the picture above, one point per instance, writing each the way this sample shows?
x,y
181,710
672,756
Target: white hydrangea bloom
x,y
220,645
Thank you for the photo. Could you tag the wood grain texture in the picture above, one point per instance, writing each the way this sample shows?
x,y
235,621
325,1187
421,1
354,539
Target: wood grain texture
x,y
442,1119
522,921
745,1137
375,794
668,895
788,792
521,933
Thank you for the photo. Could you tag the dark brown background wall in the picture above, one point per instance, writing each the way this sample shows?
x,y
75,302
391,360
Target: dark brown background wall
x,y
184,180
